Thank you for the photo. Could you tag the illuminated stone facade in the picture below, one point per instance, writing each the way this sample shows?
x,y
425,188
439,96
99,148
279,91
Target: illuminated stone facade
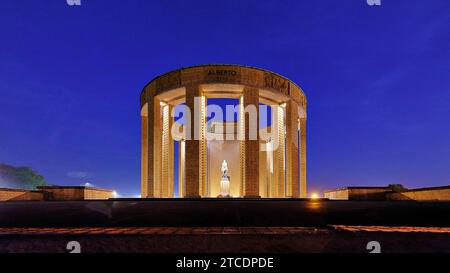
x,y
56,193
254,171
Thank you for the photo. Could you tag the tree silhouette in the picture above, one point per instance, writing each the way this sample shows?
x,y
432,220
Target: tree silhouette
x,y
20,178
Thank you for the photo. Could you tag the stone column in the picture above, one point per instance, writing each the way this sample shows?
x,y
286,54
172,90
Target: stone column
x,y
144,156
165,150
251,98
278,154
192,146
270,168
171,154
149,152
241,137
303,193
181,166
157,147
203,155
292,149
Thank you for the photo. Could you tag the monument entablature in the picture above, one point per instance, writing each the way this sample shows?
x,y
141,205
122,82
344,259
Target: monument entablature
x,y
227,74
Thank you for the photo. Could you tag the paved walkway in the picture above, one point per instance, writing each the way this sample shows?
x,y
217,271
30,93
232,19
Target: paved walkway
x,y
159,230
393,229
224,240
213,230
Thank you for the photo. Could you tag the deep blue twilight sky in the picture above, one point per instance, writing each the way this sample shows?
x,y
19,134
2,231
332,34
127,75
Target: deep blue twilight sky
x,y
376,78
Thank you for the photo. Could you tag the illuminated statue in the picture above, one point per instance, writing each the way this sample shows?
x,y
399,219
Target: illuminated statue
x,y
225,181
224,168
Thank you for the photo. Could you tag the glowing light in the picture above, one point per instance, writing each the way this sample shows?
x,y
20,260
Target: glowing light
x,y
283,105
162,103
115,194
314,196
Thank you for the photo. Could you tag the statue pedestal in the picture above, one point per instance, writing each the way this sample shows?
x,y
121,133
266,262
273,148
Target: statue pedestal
x,y
225,187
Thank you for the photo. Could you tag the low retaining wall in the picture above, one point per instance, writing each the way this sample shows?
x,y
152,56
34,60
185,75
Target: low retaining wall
x,y
424,194
66,193
75,193
386,193
358,193
20,195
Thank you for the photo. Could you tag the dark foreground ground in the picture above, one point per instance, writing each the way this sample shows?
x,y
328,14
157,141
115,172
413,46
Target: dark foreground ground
x,y
223,240
223,213
253,226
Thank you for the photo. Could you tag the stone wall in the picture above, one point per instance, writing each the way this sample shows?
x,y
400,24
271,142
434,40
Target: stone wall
x,y
386,193
424,194
75,193
97,194
57,193
52,193
358,193
368,194
338,194
20,195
